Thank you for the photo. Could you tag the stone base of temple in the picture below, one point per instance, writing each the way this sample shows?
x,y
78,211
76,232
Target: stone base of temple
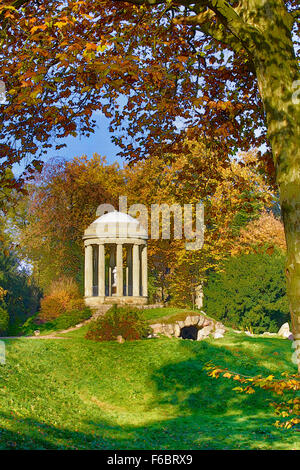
x,y
95,302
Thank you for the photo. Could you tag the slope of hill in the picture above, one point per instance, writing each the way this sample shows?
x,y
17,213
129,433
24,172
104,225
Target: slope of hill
x,y
76,394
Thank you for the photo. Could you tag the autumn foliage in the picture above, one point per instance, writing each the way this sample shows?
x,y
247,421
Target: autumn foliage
x,y
62,202
61,61
286,387
64,296
58,208
265,232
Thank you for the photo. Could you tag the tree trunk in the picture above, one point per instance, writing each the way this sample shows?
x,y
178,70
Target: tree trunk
x,y
277,72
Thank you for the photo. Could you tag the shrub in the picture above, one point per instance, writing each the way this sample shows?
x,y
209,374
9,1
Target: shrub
x,y
63,296
30,325
66,320
72,318
249,293
4,320
125,321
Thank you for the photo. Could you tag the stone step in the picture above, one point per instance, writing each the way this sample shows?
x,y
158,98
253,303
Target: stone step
x,y
100,310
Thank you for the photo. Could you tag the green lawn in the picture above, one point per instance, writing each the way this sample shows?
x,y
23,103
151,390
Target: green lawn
x,y
153,394
167,314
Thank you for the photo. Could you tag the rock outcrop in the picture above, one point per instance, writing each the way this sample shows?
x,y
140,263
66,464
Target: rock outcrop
x,y
205,327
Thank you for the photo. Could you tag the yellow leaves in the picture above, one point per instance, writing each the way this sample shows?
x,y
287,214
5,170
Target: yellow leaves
x,y
85,15
264,231
60,24
215,373
64,21
95,47
227,375
41,27
249,390
3,292
91,48
36,91
270,377
287,424
295,401
286,409
101,48
7,9
76,5
238,389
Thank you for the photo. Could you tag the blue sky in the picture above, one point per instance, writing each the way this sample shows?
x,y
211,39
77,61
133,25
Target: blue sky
x,y
99,142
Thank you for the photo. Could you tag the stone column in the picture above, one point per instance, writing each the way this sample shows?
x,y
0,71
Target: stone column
x,y
101,271
109,281
129,270
127,281
135,271
119,264
144,271
88,271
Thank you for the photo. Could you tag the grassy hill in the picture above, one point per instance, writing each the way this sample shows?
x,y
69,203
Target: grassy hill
x,y
77,394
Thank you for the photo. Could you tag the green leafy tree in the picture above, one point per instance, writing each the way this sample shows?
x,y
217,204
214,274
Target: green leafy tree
x,y
249,293
4,320
21,298
59,206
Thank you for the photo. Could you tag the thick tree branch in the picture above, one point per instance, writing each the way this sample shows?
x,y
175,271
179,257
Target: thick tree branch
x,y
235,32
233,23
206,25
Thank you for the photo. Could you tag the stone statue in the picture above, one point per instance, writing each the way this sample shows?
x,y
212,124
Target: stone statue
x,y
199,296
114,273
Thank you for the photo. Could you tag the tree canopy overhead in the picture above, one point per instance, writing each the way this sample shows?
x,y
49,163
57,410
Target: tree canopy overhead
x,y
152,69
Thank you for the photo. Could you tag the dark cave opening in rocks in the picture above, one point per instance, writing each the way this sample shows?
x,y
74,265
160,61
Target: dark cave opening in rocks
x,y
189,332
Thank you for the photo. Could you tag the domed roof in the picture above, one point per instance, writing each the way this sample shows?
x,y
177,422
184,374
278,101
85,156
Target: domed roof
x,y
115,224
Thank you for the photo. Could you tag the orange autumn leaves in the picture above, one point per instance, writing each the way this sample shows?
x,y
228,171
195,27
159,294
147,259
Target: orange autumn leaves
x,y
62,61
286,386
266,232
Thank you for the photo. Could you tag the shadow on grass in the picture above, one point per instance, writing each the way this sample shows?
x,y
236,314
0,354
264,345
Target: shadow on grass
x,y
187,386
182,433
208,414
201,412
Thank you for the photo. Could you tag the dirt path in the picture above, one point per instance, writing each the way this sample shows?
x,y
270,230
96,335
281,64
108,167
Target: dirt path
x,y
55,334
33,337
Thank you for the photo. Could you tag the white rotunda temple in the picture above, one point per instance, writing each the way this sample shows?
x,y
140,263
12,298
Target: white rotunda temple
x,y
115,261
